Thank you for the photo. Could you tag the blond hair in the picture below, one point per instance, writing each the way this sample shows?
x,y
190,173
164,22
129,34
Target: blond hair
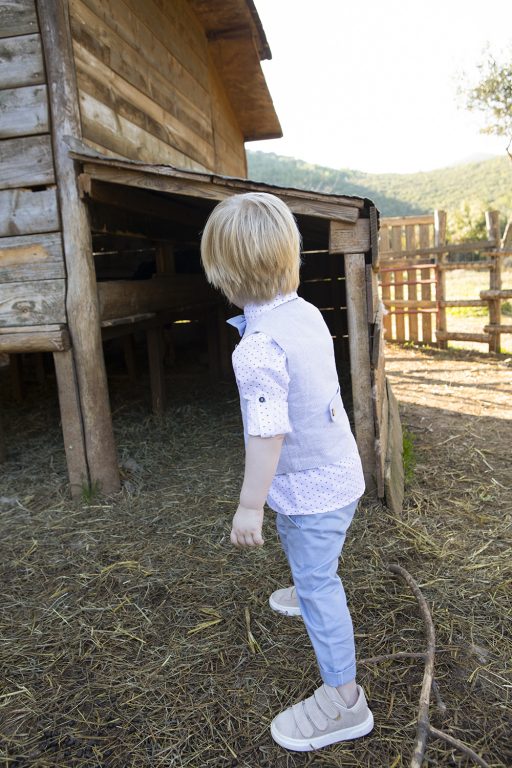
x,y
250,248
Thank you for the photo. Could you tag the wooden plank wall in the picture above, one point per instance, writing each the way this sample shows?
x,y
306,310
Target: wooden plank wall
x,y
147,86
31,258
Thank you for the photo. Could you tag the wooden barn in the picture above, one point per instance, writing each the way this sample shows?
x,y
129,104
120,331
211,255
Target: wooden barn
x,y
122,124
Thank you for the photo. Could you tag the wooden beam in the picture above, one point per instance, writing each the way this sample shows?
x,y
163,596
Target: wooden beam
x,y
71,419
349,238
120,298
458,336
143,202
355,275
496,293
81,300
54,341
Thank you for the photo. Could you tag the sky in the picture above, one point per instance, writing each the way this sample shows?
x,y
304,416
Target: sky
x,y
373,86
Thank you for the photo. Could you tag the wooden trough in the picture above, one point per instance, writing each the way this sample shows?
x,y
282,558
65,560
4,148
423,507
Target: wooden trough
x,y
122,124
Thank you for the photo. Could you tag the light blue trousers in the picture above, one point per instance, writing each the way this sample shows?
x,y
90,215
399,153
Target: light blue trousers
x,y
312,545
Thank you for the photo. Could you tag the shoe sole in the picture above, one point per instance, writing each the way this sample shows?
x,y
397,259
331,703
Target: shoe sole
x,y
285,611
334,737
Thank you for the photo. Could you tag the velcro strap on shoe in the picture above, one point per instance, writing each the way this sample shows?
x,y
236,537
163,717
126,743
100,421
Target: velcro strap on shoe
x,y
327,706
315,714
303,723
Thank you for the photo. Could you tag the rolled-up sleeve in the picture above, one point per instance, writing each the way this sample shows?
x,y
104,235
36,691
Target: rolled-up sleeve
x,y
262,377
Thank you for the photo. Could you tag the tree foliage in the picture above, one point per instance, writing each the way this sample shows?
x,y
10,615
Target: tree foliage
x,y
493,96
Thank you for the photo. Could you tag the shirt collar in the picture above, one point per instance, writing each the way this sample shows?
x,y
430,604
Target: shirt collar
x,y
255,309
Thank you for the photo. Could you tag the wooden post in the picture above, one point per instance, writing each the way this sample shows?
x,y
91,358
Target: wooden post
x,y
385,281
359,345
71,417
412,287
16,377
492,223
129,356
2,441
426,288
82,299
440,239
396,245
156,369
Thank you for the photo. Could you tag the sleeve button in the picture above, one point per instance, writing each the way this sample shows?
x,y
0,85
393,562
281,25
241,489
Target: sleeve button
x,y
262,399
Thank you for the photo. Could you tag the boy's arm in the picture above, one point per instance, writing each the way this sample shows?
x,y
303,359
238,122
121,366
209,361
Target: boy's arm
x,y
261,458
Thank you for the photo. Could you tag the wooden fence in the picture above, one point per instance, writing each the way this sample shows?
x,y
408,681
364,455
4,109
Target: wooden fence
x,y
414,258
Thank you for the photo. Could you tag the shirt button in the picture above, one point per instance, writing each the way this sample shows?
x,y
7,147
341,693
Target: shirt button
x,y
262,399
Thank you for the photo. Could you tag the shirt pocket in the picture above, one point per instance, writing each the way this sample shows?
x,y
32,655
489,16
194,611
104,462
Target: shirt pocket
x,y
336,408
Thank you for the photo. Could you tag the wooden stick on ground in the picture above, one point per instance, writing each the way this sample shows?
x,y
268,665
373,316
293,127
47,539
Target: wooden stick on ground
x,y
424,729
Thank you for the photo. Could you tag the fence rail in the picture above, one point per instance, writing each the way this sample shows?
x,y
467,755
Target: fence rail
x,y
412,266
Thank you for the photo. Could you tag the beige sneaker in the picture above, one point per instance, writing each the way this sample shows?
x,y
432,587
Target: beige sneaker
x,y
320,720
285,601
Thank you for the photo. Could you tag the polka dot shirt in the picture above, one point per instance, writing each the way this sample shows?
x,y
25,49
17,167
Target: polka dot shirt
x,y
262,376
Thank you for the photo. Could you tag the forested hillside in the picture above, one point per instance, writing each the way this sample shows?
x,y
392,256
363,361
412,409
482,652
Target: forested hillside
x,y
465,191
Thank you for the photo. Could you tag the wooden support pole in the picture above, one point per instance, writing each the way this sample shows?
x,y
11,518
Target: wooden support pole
x,y
71,417
492,223
396,245
412,288
16,376
359,344
156,369
426,288
440,239
2,441
82,300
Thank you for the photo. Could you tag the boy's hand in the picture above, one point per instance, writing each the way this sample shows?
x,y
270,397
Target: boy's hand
x,y
247,524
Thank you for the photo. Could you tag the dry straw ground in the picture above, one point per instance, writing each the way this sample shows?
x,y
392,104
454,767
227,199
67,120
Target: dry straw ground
x,y
133,634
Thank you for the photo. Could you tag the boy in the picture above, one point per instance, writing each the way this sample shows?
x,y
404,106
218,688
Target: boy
x,y
301,456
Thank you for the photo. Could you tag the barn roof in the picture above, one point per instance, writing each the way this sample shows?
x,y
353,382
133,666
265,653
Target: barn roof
x,y
238,43
210,186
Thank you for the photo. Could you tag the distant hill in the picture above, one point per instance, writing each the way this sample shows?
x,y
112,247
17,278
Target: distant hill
x,y
477,185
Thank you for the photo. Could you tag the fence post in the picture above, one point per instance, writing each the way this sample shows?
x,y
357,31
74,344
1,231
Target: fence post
x,y
492,223
440,239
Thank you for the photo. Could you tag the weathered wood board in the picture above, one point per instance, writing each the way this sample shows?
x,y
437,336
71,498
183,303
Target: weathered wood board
x,y
18,17
23,111
21,61
108,128
27,211
120,298
54,341
379,400
26,162
344,238
102,83
32,303
144,92
31,257
394,470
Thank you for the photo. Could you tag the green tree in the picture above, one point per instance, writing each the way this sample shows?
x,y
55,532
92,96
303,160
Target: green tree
x,y
493,95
